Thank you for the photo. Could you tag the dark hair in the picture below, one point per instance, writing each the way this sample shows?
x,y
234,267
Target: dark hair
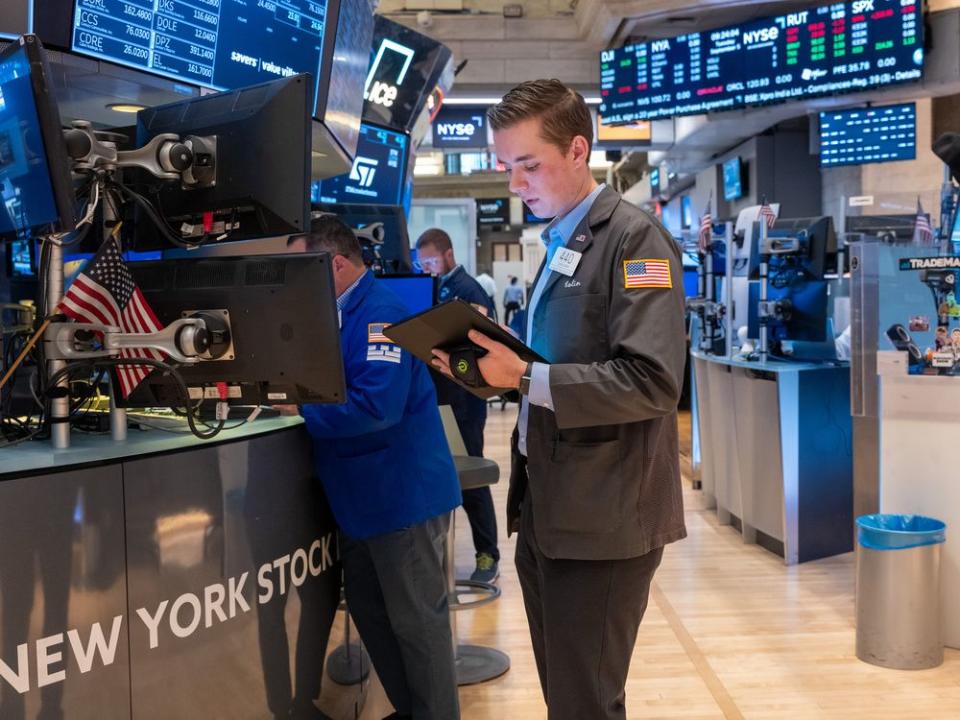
x,y
329,234
563,112
437,238
513,280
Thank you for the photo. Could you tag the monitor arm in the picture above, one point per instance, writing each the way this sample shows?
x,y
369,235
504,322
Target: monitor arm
x,y
201,336
193,160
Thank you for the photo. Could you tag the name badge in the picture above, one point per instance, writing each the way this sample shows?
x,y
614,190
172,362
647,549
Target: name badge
x,y
565,261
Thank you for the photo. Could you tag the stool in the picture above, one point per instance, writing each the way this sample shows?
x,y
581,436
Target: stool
x,y
475,664
349,663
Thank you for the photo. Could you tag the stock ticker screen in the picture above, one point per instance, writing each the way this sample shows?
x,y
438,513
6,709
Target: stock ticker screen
x,y
839,48
220,44
376,177
868,135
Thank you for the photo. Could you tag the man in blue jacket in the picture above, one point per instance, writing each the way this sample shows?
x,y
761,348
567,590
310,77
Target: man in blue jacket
x,y
391,482
435,254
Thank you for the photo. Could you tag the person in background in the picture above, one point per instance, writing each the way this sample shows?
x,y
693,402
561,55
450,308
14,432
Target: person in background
x,y
391,482
512,299
435,253
488,284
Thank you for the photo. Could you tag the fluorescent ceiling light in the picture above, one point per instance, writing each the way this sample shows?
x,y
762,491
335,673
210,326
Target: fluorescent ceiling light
x,y
126,107
495,100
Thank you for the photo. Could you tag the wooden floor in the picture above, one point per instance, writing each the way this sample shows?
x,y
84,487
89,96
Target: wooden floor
x,y
730,633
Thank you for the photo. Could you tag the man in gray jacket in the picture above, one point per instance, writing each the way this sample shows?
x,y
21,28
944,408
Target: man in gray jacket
x,y
595,480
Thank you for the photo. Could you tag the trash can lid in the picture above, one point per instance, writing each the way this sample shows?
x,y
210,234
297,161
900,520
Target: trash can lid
x,y
899,532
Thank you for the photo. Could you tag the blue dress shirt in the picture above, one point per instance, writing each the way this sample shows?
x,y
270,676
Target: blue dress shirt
x,y
554,237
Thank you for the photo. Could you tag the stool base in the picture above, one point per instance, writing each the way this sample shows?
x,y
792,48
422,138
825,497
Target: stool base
x,y
476,664
348,665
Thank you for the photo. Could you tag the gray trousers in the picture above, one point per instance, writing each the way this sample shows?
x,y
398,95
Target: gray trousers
x,y
396,593
584,616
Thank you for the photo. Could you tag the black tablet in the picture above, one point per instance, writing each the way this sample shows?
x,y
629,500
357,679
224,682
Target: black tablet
x,y
446,326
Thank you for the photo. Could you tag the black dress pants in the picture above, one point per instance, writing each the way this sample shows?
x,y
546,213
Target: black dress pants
x,y
584,616
471,415
397,594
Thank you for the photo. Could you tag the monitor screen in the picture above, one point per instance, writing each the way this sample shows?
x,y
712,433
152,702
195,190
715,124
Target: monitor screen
x,y
493,211
35,186
221,44
844,47
732,179
868,135
418,291
21,260
377,175
654,182
638,133
686,212
405,66
457,127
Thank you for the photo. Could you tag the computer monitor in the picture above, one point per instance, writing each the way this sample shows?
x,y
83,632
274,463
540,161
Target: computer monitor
x,y
262,182
395,250
887,228
808,319
35,185
733,179
283,325
417,290
819,248
377,175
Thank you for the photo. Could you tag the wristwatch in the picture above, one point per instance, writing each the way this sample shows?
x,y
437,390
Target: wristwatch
x,y
525,379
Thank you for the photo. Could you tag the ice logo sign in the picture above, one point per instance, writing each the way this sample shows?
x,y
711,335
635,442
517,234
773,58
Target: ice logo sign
x,y
387,72
363,170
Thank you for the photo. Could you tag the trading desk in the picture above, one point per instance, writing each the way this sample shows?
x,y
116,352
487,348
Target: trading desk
x,y
776,454
165,577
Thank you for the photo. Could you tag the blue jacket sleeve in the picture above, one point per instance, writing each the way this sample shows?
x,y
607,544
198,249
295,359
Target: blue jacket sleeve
x,y
377,390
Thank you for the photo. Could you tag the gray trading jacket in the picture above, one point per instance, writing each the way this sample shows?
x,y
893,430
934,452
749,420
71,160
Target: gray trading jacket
x,y
603,470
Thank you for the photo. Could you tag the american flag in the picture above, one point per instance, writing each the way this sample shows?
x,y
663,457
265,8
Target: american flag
x,y
706,228
375,333
766,214
104,292
922,232
647,274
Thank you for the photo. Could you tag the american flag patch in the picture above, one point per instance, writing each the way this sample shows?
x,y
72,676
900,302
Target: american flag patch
x,y
647,274
375,333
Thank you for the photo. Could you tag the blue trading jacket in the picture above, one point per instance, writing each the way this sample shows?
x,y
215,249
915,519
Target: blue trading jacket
x,y
382,455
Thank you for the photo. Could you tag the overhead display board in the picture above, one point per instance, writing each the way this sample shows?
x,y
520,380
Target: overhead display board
x,y
868,135
405,67
459,127
220,44
493,211
840,48
377,175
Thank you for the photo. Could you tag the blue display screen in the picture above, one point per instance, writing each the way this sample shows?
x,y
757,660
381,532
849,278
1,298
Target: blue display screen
x,y
732,179
460,128
839,48
868,135
529,218
655,182
376,177
221,44
25,185
493,211
416,291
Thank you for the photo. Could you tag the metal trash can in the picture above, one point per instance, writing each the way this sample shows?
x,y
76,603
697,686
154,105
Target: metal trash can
x,y
898,591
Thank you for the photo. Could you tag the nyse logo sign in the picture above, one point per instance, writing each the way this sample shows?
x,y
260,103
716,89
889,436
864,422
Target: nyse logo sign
x,y
387,73
460,129
363,170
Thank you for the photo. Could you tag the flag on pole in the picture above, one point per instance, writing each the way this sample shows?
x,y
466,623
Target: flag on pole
x,y
767,214
922,231
706,229
104,292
